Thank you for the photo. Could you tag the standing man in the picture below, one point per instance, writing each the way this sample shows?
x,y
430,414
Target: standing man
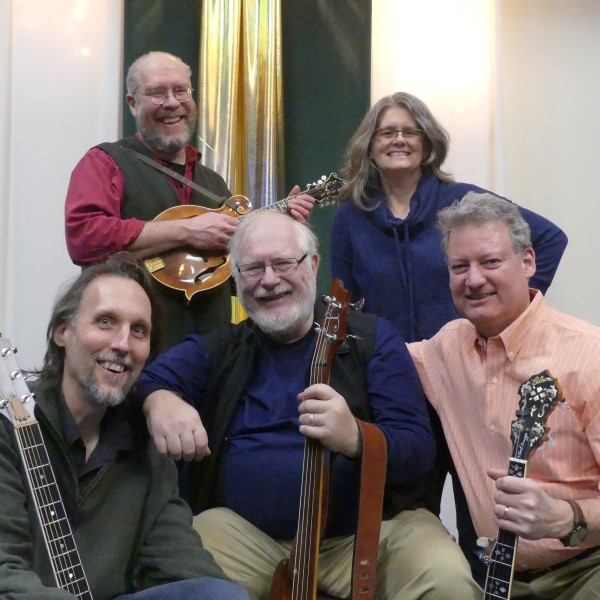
x,y
132,530
250,384
472,370
114,196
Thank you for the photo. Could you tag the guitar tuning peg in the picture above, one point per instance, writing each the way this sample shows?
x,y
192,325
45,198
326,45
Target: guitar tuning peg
x,y
485,542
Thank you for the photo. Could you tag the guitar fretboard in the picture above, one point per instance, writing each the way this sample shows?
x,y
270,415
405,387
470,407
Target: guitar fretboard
x,y
62,550
502,559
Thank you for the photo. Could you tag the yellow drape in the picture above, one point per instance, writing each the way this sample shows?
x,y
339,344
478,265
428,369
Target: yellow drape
x,y
240,101
240,112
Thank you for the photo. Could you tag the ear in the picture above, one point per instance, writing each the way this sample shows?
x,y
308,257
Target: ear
x,y
314,263
528,262
132,104
59,335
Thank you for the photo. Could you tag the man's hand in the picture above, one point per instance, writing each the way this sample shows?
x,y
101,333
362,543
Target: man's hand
x,y
301,206
175,427
210,231
325,416
532,513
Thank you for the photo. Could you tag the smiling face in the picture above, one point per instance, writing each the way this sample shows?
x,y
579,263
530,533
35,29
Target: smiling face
x,y
165,128
489,282
397,155
282,305
107,344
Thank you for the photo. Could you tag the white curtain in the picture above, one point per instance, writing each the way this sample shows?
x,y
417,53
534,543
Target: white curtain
x,y
60,70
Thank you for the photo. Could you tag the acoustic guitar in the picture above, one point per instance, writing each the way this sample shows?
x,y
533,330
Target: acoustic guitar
x,y
539,395
191,270
296,578
17,405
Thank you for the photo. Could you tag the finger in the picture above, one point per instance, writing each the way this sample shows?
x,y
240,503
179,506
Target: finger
x,y
495,474
201,443
161,444
295,190
174,447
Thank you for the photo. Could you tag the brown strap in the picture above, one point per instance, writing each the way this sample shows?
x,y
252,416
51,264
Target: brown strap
x,y
216,200
372,484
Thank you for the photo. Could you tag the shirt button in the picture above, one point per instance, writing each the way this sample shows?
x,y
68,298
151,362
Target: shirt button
x,y
494,380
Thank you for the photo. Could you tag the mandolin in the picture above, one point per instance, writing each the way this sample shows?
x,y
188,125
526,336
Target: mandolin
x,y
296,578
539,395
191,270
17,405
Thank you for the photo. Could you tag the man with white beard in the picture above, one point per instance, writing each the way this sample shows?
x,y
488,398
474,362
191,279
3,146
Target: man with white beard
x,y
114,196
242,398
132,530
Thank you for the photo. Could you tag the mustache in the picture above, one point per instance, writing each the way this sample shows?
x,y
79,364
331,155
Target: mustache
x,y
115,357
282,288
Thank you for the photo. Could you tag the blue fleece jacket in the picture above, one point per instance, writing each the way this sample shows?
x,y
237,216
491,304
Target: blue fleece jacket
x,y
398,267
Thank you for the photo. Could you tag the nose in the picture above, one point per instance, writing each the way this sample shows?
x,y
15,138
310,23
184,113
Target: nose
x,y
171,100
269,278
120,339
474,277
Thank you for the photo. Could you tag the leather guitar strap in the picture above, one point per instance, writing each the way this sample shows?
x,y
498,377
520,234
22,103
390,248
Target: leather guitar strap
x,y
216,200
372,484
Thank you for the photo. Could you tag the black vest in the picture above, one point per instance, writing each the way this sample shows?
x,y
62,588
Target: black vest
x,y
231,351
147,193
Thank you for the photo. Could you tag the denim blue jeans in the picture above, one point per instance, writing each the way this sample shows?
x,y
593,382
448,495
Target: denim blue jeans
x,y
203,588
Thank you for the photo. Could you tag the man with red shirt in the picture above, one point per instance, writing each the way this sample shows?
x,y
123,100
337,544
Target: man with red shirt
x,y
113,196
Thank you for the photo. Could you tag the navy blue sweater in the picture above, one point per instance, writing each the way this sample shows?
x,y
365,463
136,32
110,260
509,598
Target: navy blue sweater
x,y
398,267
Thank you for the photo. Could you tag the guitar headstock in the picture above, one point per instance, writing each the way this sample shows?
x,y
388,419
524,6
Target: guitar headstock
x,y
16,401
539,396
332,328
325,189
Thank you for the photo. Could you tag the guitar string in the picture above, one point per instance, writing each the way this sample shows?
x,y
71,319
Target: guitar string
x,y
304,543
42,490
494,566
29,448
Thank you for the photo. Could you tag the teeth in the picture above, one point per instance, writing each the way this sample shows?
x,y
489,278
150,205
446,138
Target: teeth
x,y
170,120
113,367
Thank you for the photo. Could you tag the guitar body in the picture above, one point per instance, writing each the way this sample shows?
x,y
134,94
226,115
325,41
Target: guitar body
x,y
191,270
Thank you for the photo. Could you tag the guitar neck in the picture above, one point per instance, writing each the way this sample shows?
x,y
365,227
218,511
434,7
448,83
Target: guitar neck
x,y
498,582
56,529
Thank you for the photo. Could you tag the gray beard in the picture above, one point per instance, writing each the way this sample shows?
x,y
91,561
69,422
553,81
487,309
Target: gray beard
x,y
163,144
107,398
278,325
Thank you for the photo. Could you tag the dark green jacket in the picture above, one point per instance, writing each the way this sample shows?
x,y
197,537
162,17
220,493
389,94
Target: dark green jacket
x,y
130,525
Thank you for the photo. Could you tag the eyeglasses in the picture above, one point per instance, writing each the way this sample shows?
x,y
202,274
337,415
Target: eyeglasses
x,y
281,266
391,134
159,97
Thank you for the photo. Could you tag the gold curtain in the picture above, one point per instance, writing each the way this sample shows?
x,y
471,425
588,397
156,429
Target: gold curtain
x,y
240,101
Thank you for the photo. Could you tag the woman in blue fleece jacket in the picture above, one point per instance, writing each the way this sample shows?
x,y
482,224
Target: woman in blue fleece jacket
x,y
384,244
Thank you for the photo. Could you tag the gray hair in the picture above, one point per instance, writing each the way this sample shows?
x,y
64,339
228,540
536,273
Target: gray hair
x,y
132,81
66,308
360,171
480,209
307,240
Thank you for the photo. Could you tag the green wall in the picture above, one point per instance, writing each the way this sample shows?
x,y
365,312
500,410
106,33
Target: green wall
x,y
326,61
